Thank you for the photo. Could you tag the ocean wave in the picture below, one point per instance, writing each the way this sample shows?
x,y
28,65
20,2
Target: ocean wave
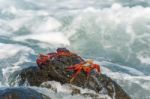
x,y
119,34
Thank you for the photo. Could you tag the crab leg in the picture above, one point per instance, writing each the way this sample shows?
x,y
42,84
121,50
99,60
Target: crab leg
x,y
75,67
75,75
70,68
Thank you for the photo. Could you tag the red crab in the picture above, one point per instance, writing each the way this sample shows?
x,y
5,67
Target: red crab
x,y
86,67
44,59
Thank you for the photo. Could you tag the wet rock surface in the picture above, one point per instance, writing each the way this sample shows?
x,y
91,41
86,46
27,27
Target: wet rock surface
x,y
55,70
21,93
73,90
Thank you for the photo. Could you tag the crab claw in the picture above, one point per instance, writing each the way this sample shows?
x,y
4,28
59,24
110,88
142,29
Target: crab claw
x,y
97,67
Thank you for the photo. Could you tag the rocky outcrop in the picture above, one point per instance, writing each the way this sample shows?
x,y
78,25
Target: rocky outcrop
x,y
55,71
21,93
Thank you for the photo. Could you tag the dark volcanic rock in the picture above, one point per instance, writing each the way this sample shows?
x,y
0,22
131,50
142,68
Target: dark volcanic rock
x,y
55,70
20,93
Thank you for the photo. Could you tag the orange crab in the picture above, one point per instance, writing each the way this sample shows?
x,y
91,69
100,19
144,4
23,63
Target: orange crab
x,y
87,67
44,59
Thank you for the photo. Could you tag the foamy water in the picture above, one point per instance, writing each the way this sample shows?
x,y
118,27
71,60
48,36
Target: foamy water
x,y
115,33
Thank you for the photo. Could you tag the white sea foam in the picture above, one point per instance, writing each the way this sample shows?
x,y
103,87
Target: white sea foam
x,y
9,61
120,31
45,25
25,19
7,72
50,38
9,50
145,59
106,68
64,91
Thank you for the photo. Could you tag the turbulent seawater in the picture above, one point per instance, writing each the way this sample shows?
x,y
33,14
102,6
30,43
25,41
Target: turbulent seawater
x,y
115,33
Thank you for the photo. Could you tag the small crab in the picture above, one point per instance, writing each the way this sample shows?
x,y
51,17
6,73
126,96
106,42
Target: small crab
x,y
44,59
85,66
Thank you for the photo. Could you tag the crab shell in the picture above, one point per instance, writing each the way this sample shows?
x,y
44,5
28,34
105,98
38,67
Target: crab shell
x,y
43,59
